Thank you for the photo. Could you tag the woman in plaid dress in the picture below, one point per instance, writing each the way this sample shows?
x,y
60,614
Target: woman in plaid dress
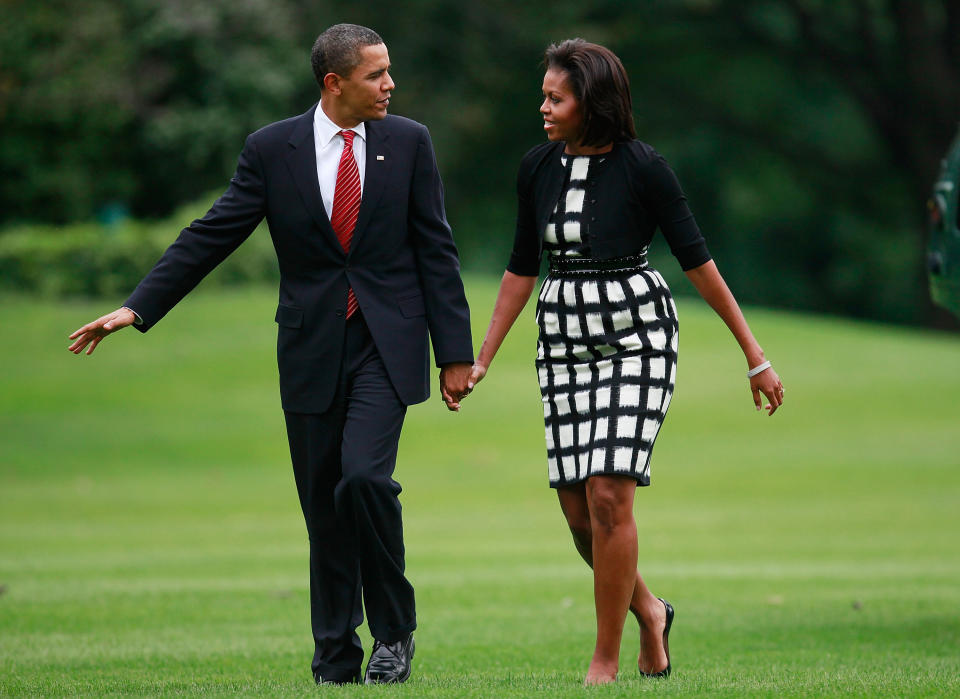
x,y
592,198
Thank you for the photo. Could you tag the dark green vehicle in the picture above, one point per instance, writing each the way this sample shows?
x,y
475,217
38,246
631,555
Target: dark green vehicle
x,y
943,254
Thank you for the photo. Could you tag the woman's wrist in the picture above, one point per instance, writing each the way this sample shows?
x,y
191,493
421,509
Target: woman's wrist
x,y
754,357
758,369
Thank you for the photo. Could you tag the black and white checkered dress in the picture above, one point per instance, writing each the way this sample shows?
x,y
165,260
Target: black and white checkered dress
x,y
607,351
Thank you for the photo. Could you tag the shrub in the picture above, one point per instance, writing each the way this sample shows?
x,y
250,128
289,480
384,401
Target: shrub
x,y
102,260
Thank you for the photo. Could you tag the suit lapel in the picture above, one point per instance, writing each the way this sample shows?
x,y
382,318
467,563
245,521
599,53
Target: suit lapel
x,y
302,162
376,174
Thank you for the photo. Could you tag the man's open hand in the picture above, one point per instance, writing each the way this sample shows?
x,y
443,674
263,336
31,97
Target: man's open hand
x,y
91,333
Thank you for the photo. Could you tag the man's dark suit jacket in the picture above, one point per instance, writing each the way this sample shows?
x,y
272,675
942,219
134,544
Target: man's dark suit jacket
x,y
402,265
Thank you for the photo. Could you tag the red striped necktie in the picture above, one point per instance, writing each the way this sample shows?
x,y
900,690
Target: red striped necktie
x,y
346,203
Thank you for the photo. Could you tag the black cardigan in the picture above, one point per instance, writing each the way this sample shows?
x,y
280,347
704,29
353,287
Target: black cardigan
x,y
628,195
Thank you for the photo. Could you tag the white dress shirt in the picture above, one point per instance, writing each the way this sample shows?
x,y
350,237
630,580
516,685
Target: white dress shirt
x,y
329,145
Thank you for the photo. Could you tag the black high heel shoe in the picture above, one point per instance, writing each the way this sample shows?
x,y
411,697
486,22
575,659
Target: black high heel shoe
x,y
666,645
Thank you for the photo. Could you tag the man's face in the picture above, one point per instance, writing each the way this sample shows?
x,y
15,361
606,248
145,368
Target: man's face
x,y
365,93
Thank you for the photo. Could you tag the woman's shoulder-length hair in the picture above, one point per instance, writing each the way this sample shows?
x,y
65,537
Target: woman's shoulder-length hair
x,y
600,84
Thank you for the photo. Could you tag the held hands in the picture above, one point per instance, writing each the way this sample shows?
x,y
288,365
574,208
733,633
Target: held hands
x,y
768,383
453,384
477,372
92,333
457,382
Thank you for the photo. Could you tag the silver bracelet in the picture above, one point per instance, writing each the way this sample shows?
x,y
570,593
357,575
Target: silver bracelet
x,y
757,369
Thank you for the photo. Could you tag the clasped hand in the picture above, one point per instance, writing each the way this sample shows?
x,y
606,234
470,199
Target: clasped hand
x,y
457,382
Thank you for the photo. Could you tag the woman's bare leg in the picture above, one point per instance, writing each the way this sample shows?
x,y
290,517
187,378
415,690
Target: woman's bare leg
x,y
647,609
610,500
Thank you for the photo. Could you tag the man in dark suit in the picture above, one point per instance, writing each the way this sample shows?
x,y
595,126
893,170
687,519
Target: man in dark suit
x,y
368,267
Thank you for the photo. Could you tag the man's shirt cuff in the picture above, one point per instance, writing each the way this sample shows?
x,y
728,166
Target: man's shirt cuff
x,y
137,320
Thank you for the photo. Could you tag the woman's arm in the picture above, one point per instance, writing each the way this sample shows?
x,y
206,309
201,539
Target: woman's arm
x,y
513,295
707,280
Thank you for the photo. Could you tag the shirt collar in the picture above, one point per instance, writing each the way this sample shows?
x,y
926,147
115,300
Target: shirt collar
x,y
326,130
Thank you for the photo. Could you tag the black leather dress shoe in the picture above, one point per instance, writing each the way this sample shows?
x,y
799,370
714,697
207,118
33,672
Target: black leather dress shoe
x,y
390,662
356,679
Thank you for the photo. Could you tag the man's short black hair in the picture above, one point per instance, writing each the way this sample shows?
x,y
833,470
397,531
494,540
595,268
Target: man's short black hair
x,y
337,50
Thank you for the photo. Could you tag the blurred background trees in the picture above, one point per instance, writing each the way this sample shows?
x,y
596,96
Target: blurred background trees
x,y
807,133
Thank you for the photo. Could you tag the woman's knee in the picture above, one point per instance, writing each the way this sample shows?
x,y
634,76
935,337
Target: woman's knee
x,y
611,502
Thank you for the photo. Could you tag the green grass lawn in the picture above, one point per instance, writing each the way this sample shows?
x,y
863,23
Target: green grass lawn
x,y
151,541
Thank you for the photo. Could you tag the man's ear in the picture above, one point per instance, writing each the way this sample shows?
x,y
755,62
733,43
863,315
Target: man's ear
x,y
331,83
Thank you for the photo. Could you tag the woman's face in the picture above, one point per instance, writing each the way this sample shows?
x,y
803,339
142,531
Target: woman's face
x,y
562,119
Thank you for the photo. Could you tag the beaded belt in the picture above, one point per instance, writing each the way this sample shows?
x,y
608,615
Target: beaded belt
x,y
564,265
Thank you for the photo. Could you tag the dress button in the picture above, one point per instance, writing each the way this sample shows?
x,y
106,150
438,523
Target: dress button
x,y
340,314
593,201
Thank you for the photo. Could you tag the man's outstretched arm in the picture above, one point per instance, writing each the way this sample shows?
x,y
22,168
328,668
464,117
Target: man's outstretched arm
x,y
200,247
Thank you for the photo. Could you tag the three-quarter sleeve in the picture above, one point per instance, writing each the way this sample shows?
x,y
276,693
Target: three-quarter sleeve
x,y
525,258
668,203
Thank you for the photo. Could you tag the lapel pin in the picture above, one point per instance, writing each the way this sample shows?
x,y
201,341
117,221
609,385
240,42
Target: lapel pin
x,y
379,157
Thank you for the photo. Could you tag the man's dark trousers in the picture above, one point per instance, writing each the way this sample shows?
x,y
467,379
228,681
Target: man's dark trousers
x,y
343,461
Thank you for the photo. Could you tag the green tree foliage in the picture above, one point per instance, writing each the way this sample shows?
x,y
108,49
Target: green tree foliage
x,y
806,133
839,114
140,102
